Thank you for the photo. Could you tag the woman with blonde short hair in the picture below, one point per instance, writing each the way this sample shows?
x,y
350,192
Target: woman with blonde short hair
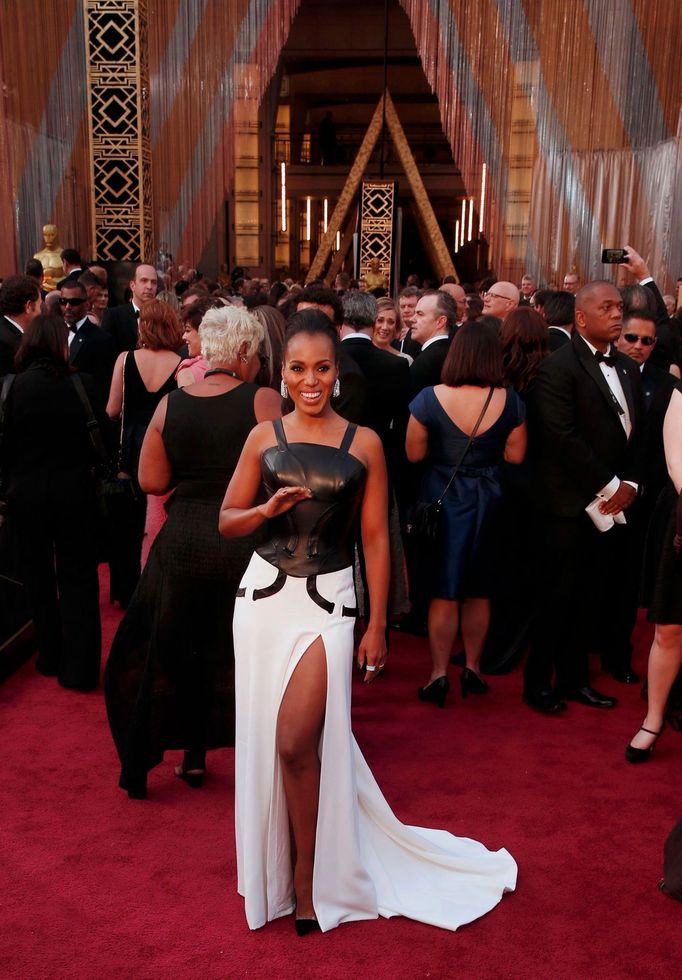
x,y
170,677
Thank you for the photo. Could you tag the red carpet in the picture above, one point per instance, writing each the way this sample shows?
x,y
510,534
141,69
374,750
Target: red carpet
x,y
94,885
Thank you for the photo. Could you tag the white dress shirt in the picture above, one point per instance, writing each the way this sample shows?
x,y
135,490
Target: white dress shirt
x,y
432,340
615,387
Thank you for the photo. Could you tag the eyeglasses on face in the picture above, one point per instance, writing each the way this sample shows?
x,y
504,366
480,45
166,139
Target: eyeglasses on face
x,y
497,296
77,301
632,338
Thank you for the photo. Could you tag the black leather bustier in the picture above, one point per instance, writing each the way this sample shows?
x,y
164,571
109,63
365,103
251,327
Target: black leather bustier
x,y
317,535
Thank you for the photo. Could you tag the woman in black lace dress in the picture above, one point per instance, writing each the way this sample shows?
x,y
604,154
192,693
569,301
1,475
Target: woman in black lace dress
x,y
170,677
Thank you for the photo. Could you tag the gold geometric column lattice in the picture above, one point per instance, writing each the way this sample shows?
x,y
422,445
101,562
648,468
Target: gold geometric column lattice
x,y
118,116
376,226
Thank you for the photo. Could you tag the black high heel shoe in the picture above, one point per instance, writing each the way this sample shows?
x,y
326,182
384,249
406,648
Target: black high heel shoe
x,y
436,691
305,926
193,768
633,754
471,682
135,784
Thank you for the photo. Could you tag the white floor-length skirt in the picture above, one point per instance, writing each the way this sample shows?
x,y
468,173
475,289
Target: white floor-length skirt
x,y
367,863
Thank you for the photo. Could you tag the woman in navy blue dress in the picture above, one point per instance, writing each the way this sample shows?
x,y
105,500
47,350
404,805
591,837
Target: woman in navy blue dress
x,y
461,568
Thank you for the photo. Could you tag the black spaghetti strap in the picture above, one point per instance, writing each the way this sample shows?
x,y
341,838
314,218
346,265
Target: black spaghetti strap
x,y
282,443
348,437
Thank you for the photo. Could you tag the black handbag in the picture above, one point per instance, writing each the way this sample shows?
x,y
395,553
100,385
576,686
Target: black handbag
x,y
116,493
425,522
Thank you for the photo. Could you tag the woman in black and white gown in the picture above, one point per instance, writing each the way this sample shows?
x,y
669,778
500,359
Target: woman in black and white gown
x,y
297,763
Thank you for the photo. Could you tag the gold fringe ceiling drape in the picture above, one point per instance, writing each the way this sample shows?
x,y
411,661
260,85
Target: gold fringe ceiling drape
x,y
573,105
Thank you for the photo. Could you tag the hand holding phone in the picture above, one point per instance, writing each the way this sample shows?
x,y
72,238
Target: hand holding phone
x,y
614,256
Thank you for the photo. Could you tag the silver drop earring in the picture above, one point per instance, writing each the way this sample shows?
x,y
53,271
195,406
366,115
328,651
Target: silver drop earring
x,y
336,390
284,389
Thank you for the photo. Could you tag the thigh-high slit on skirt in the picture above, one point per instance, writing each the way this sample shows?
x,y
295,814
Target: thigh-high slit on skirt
x,y
366,862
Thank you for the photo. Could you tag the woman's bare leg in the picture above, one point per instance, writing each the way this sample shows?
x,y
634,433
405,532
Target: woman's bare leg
x,y
475,624
443,629
299,726
665,660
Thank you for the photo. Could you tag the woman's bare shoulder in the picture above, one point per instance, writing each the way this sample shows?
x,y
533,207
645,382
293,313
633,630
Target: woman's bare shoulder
x,y
366,444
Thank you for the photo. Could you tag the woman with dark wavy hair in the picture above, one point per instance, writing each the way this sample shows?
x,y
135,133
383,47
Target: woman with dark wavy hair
x,y
524,339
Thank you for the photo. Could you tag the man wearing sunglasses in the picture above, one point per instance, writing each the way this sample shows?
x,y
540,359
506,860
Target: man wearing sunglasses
x,y
90,349
638,341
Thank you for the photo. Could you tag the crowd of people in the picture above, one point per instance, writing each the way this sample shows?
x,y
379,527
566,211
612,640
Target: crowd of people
x,y
499,465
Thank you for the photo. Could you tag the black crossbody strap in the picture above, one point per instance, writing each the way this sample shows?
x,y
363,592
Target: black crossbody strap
x,y
90,421
468,445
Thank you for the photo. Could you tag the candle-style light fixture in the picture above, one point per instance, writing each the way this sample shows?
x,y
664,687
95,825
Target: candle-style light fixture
x,y
462,222
471,219
325,215
456,236
283,196
482,207
308,213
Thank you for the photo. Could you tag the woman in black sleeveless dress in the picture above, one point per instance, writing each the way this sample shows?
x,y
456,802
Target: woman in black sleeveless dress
x,y
170,679
296,761
662,590
154,363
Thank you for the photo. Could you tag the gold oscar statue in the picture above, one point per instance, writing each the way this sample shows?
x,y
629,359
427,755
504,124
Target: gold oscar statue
x,y
49,257
374,277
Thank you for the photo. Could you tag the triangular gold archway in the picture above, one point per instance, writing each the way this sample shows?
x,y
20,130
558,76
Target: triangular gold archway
x,y
435,243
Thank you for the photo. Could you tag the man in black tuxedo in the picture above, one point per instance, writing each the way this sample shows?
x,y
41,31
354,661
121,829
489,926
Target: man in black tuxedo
x,y
352,401
19,303
559,312
435,320
586,424
121,321
72,266
90,349
387,375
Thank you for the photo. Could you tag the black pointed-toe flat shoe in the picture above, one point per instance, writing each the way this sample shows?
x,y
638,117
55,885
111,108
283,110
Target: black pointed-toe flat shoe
x,y
471,682
305,926
635,755
436,691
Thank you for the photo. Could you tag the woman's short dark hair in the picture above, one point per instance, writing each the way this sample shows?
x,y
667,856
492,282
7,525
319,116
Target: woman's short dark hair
x,y
474,358
46,341
312,321
524,341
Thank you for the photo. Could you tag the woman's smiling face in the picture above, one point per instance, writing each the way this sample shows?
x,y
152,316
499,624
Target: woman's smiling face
x,y
385,327
310,371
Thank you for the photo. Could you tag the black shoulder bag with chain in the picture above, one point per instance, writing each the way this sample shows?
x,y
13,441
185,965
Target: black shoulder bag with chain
x,y
427,518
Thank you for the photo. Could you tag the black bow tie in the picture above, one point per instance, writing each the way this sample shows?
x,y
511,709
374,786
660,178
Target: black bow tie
x,y
608,359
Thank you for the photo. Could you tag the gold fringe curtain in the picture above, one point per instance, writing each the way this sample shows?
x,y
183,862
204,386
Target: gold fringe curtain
x,y
573,105
43,130
203,54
